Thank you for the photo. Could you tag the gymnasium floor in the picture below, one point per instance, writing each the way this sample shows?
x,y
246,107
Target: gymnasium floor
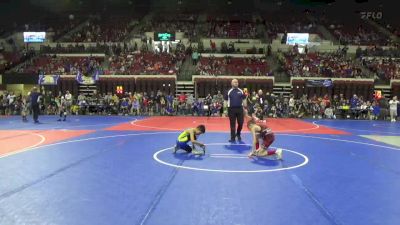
x,y
120,170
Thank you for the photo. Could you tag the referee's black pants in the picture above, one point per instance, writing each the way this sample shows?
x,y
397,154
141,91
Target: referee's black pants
x,y
236,114
35,112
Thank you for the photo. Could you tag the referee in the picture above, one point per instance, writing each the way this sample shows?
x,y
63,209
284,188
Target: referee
x,y
234,98
35,98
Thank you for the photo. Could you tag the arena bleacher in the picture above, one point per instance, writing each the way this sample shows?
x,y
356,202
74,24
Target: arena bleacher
x,y
193,47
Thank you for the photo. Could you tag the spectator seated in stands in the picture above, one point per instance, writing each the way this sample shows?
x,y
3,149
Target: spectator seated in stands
x,y
231,27
361,34
48,64
277,106
145,63
321,65
185,23
233,66
384,68
106,29
8,60
378,51
280,23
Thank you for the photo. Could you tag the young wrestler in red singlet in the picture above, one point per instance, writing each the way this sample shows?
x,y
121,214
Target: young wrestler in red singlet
x,y
262,134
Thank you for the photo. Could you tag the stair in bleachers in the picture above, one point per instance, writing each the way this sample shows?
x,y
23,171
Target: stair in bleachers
x,y
186,87
276,69
383,30
136,31
282,88
87,90
187,70
73,31
386,90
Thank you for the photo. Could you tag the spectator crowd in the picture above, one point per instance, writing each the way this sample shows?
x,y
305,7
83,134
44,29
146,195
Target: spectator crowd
x,y
227,65
319,64
264,105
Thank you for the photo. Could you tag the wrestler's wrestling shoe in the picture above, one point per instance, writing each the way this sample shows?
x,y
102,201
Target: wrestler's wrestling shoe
x,y
279,153
197,152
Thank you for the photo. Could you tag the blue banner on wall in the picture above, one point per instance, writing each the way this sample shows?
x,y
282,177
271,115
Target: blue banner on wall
x,y
48,79
87,79
319,83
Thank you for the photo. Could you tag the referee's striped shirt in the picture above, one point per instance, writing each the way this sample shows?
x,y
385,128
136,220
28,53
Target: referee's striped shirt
x,y
235,98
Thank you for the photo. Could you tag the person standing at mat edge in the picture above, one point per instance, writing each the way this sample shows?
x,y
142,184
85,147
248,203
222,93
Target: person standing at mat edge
x,y
393,104
35,98
235,101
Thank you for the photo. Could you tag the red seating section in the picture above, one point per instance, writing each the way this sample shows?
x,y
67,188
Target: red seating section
x,y
61,65
144,63
389,68
320,65
232,66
